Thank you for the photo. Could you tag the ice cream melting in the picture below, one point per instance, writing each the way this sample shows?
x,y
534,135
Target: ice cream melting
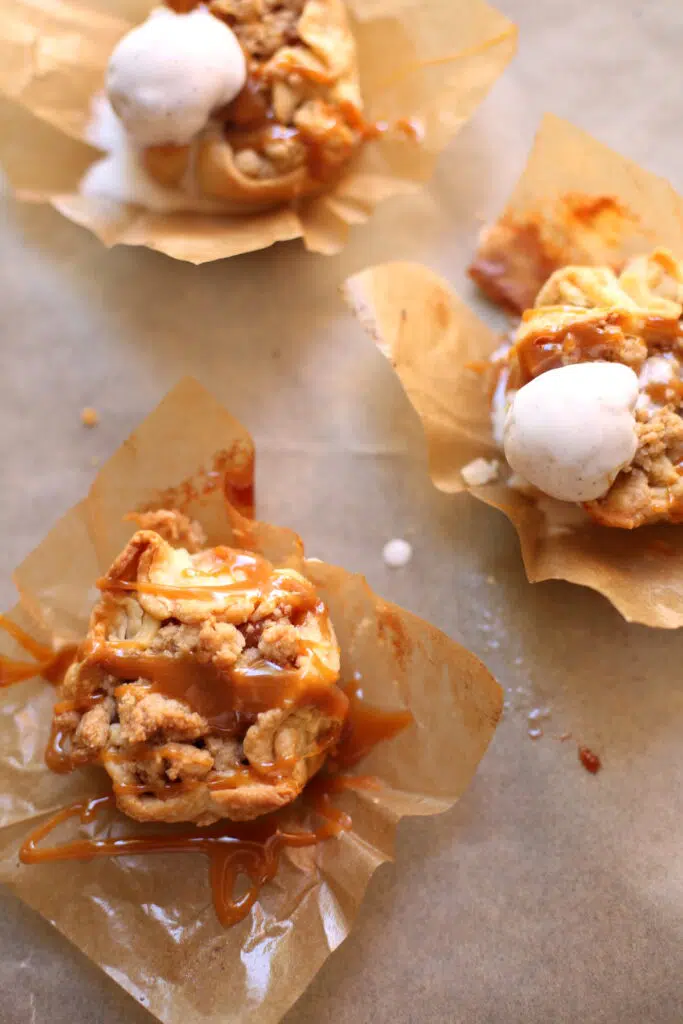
x,y
571,430
167,76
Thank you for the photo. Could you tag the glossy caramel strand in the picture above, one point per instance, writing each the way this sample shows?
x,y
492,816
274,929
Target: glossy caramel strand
x,y
49,664
365,727
250,573
249,849
236,849
589,341
221,694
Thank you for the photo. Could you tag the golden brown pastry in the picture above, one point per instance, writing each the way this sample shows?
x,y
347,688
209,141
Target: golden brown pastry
x,y
296,123
206,686
589,315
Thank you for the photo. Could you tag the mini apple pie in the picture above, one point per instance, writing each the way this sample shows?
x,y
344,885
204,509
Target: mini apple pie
x,y
588,402
207,684
252,103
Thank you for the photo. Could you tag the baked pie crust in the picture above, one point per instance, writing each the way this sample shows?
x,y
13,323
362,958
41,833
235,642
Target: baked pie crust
x,y
206,686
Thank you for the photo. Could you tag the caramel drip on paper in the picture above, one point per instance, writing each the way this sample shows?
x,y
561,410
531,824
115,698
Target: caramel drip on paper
x,y
248,849
235,849
49,664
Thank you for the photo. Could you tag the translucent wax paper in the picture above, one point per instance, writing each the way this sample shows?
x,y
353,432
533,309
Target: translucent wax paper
x,y
149,922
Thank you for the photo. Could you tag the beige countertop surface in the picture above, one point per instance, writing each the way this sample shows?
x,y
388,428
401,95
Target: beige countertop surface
x,y
547,894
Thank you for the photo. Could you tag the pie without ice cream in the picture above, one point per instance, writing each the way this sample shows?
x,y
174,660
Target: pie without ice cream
x,y
207,684
589,397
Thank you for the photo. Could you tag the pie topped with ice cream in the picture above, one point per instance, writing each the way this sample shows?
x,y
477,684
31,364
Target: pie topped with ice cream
x,y
589,397
252,103
207,684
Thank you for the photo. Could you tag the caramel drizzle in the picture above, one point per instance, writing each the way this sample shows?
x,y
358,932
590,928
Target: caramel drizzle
x,y
546,349
249,574
49,664
662,392
220,694
235,849
365,727
251,124
410,128
249,849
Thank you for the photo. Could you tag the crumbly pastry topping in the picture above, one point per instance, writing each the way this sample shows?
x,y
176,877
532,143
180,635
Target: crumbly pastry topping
x,y
301,103
206,686
651,283
585,314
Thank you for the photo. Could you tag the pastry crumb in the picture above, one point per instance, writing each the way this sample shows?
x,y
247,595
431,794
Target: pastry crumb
x,y
89,416
480,472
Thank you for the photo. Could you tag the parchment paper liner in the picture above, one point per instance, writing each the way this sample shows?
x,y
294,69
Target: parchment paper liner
x,y
429,335
149,922
431,61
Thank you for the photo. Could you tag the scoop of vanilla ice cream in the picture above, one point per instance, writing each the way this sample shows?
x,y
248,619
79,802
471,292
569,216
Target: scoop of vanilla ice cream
x,y
167,75
570,431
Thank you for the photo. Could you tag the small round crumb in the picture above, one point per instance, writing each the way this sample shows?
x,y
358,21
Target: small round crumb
x,y
397,553
89,416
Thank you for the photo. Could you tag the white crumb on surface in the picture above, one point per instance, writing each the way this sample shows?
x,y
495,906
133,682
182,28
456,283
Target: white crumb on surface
x,y
480,472
397,553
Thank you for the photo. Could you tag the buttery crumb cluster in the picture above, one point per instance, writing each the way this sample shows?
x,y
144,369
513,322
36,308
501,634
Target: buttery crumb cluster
x,y
300,59
178,631
585,314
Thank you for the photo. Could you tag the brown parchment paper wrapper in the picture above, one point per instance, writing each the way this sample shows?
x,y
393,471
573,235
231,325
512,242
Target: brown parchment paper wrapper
x,y
430,336
433,61
149,922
